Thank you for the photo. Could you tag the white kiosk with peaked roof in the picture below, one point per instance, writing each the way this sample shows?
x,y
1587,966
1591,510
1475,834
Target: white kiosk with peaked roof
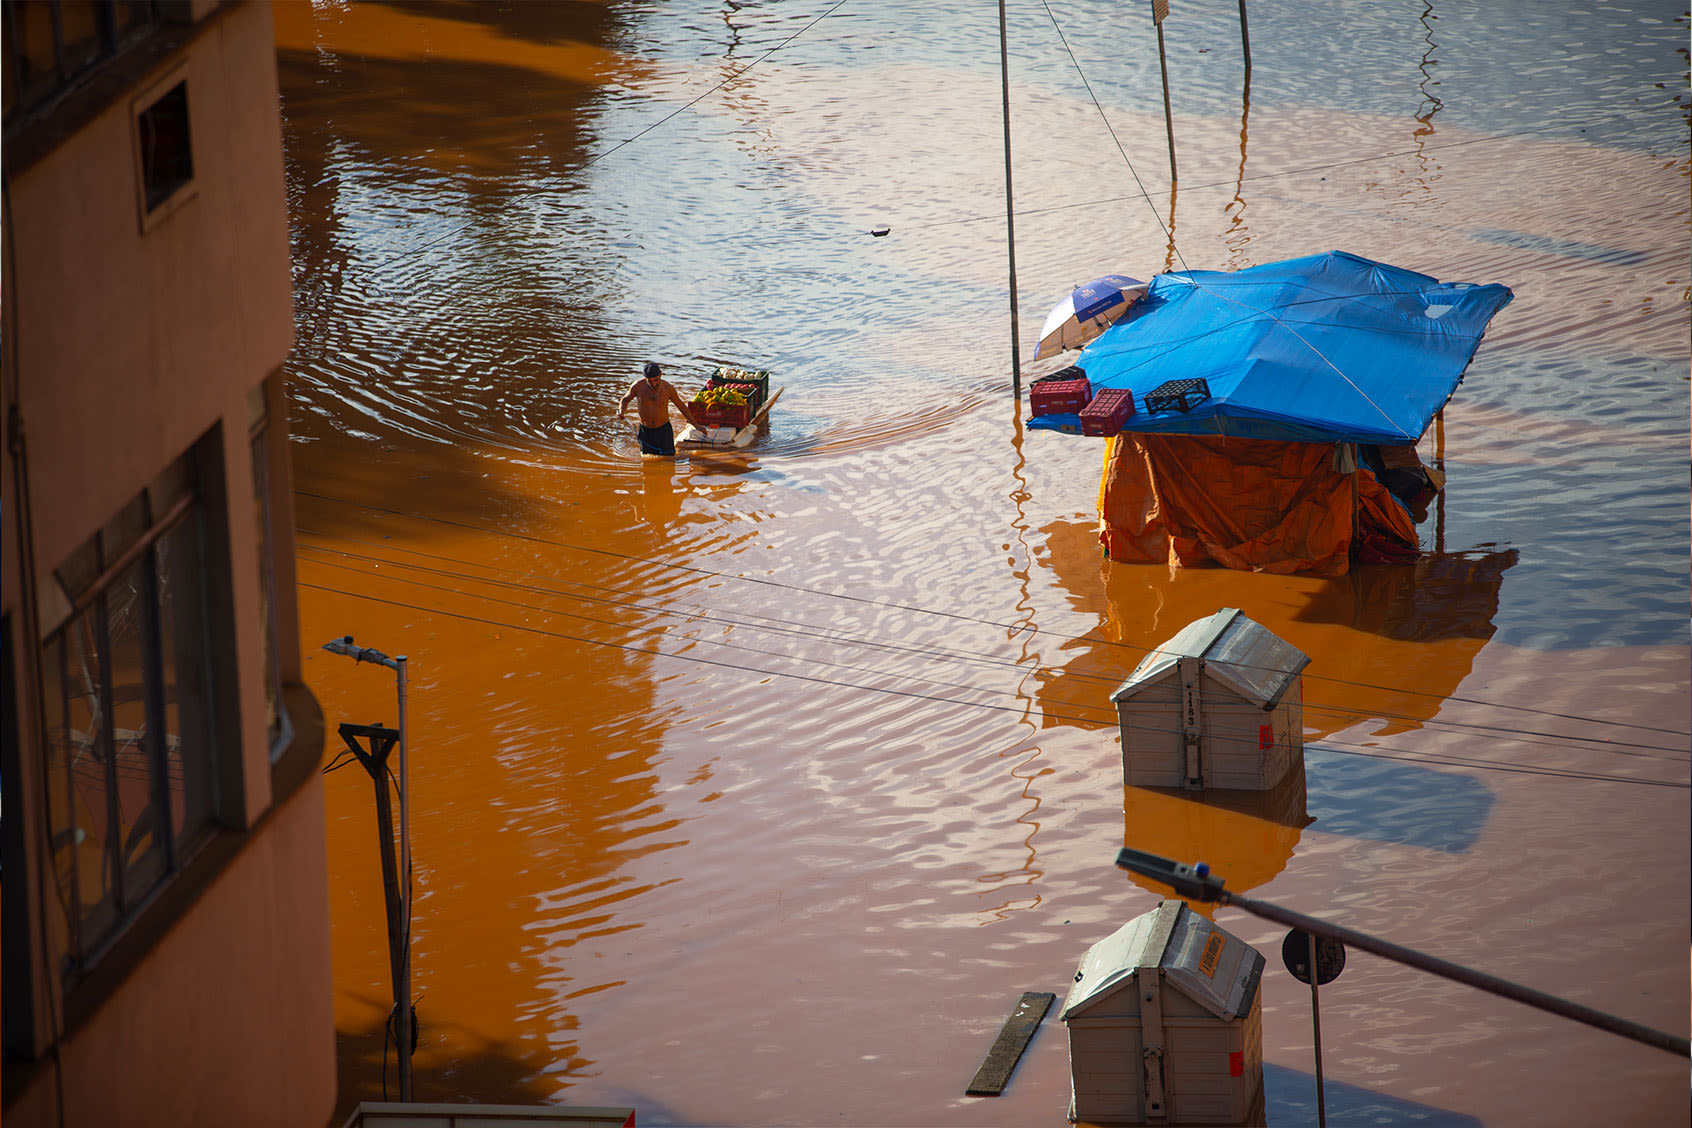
x,y
1165,1024
1219,705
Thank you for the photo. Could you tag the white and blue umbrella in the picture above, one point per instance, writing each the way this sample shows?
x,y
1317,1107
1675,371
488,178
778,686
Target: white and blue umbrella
x,y
1089,310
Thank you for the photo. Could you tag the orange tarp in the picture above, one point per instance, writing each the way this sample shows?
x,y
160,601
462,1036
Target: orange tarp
x,y
1250,504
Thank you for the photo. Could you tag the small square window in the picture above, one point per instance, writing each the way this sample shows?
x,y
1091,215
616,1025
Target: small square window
x,y
167,152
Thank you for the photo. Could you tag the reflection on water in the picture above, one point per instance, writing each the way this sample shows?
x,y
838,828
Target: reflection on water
x,y
1247,837
1428,621
749,788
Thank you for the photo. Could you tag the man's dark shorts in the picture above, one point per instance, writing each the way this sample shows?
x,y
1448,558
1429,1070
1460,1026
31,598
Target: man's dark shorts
x,y
658,440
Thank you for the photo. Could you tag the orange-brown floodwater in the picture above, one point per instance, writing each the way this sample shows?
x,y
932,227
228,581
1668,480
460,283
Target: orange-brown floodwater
x,y
754,788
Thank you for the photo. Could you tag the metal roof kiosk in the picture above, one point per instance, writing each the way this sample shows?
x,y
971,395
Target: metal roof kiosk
x,y
1219,705
1166,1024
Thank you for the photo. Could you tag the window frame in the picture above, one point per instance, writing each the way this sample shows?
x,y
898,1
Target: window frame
x,y
120,24
280,731
150,211
89,927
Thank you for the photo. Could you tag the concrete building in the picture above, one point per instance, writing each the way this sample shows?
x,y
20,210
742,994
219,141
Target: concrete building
x,y
166,953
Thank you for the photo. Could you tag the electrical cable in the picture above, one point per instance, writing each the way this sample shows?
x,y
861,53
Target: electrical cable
x,y
1011,628
1524,737
745,620
1020,711
1114,139
1093,202
792,627
661,631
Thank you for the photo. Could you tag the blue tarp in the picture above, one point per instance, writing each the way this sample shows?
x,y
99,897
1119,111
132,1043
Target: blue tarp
x,y
1327,348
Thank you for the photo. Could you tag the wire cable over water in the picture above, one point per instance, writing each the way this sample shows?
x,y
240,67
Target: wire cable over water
x,y
1012,629
808,632
1019,710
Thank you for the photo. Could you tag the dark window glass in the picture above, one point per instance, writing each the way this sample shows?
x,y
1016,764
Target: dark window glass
x,y
167,157
37,54
82,34
50,44
137,761
186,651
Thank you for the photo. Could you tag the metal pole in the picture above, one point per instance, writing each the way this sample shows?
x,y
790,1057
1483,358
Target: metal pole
x,y
402,965
1675,1044
402,1028
1168,119
396,932
1245,42
1439,498
1316,1026
1010,222
1196,883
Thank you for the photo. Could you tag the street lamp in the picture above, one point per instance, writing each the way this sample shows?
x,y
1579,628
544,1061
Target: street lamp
x,y
375,765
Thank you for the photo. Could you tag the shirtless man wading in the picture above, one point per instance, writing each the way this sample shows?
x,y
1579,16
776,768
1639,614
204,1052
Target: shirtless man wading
x,y
655,394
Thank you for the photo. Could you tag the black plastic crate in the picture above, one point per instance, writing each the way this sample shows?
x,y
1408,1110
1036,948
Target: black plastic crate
x,y
1073,372
1175,395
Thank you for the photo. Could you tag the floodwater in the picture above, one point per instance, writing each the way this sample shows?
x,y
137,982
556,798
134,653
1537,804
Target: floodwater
x,y
754,788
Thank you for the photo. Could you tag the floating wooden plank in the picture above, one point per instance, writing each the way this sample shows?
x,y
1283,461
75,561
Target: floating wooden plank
x,y
994,1074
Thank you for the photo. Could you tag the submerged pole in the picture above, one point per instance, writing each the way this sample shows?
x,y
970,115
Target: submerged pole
x,y
1160,10
399,904
1245,42
1010,221
1315,1012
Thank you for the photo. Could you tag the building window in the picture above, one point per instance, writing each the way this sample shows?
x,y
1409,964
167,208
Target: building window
x,y
278,731
128,685
51,44
167,153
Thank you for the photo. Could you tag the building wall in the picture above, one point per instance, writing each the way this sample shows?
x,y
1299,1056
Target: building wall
x,y
129,338
229,1020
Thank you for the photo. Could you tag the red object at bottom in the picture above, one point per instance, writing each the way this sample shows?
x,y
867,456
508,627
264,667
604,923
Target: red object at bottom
x,y
1236,1064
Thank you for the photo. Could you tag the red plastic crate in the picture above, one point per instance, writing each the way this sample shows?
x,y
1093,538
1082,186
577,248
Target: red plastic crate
x,y
736,416
1107,412
1059,397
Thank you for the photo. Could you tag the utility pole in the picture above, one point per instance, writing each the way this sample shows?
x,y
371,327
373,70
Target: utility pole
x,y
1010,223
397,885
1245,42
1160,12
375,761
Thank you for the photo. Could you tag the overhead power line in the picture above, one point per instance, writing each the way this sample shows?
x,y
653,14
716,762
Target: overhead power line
x,y
1019,709
752,621
1012,628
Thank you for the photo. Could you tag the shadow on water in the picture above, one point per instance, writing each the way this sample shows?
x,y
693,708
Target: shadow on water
x,y
1290,1095
404,98
368,1070
1393,801
552,23
432,174
1246,836
1435,598
348,487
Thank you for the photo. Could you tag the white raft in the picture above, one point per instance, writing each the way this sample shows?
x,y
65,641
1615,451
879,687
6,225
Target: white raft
x,y
720,438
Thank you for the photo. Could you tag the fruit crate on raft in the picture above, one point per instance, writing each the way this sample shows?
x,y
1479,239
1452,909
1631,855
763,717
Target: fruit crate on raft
x,y
758,378
721,415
